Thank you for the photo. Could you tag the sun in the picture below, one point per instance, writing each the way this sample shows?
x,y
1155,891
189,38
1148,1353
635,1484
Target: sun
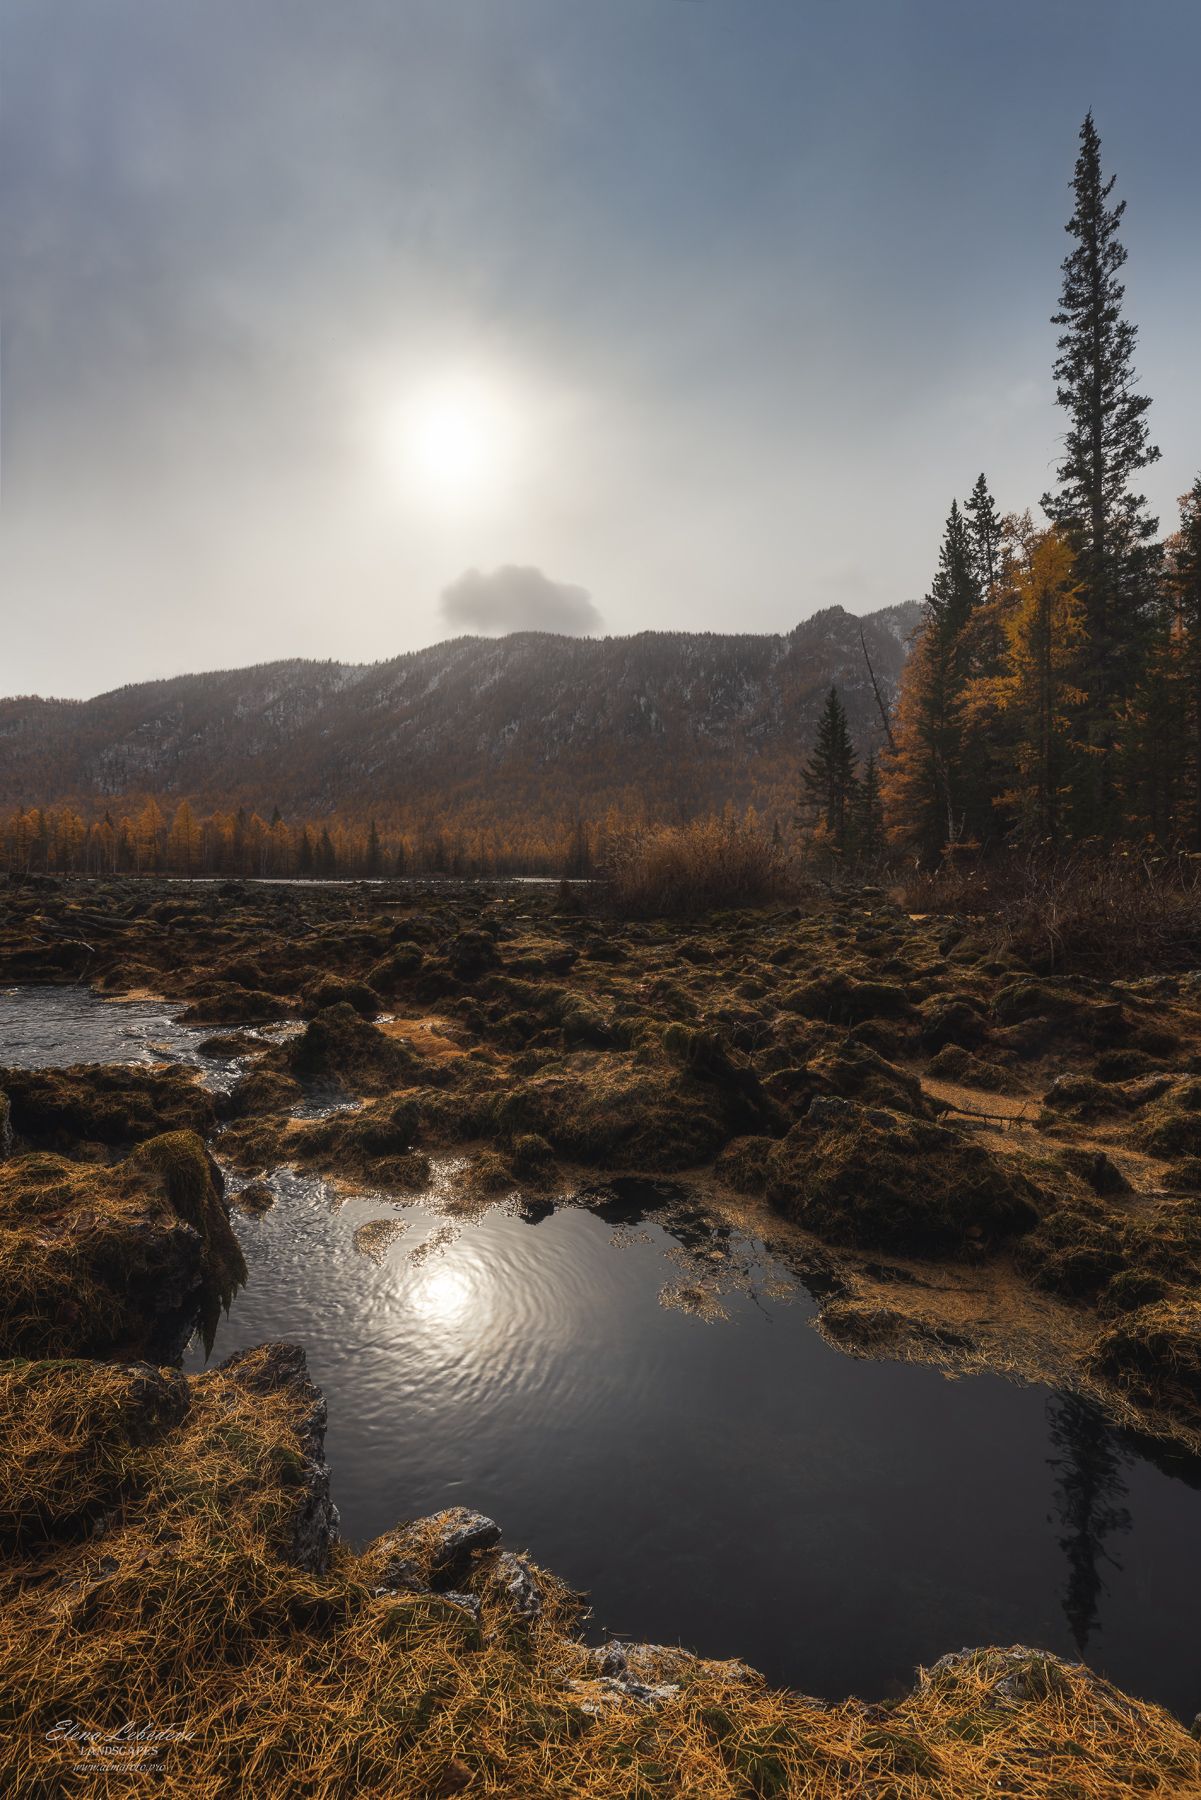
x,y
454,440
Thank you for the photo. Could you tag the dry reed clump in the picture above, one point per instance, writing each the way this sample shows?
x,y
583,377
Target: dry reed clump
x,y
190,1611
1094,911
96,1258
681,871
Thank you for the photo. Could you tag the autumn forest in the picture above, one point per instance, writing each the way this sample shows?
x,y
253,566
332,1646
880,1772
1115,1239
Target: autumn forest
x,y
1051,697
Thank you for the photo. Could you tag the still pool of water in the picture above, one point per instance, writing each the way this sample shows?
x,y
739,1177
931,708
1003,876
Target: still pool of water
x,y
737,1486
54,1027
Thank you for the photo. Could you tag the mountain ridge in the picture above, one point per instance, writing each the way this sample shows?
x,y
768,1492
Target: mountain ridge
x,y
668,722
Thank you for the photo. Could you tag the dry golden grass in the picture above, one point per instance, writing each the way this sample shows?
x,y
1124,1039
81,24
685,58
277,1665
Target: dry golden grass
x,y
1096,911
680,871
185,1614
87,1253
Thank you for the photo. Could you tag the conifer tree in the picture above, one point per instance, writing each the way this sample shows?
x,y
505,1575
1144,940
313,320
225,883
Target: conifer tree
x,y
1184,586
1154,731
1045,630
955,590
829,775
868,816
984,534
1106,446
925,790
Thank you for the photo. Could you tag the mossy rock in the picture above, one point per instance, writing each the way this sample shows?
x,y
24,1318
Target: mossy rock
x,y
1048,1009
1074,1251
115,1105
851,1071
1171,1125
95,1259
960,1066
532,1156
195,1189
331,991
847,999
340,1046
1083,1098
608,1111
706,1055
264,1090
951,1019
224,1003
541,956
392,971
743,1164
882,1179
471,953
1130,1289
1154,1355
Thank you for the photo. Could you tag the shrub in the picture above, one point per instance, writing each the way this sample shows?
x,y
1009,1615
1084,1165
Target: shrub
x,y
1093,911
680,871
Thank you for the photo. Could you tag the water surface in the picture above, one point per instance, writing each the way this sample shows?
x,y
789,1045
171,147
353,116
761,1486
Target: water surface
x,y
54,1027
737,1486
740,1487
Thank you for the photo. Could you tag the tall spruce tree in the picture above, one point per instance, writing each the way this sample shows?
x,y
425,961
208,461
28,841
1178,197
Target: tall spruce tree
x,y
984,533
1106,445
867,815
1185,589
955,590
829,775
924,787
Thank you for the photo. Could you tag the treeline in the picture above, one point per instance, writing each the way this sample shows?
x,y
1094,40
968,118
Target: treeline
x,y
1053,695
243,844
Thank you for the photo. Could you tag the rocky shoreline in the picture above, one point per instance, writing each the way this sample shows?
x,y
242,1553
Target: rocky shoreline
x,y
913,1119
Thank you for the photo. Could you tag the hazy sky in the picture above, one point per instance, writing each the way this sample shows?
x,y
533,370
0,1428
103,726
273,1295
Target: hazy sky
x,y
629,313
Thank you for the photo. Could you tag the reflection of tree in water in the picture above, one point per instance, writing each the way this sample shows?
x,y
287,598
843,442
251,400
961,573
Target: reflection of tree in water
x,y
1089,1491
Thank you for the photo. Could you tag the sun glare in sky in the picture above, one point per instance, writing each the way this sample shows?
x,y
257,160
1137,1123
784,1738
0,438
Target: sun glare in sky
x,y
453,441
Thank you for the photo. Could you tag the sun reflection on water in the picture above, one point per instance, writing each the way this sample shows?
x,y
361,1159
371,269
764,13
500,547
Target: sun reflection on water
x,y
444,1293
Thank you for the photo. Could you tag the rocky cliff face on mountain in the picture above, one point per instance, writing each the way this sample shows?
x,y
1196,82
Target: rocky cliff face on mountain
x,y
678,721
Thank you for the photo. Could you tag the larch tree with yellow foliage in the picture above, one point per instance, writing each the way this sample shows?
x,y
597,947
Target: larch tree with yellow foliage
x,y
1039,694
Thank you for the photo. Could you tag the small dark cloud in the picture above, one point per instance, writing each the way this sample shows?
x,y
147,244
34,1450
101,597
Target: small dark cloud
x,y
519,599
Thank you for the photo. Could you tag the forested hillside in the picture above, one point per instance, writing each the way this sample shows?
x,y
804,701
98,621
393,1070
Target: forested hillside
x,y
469,734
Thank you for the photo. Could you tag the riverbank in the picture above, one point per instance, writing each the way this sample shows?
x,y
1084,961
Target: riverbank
x,y
976,1166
